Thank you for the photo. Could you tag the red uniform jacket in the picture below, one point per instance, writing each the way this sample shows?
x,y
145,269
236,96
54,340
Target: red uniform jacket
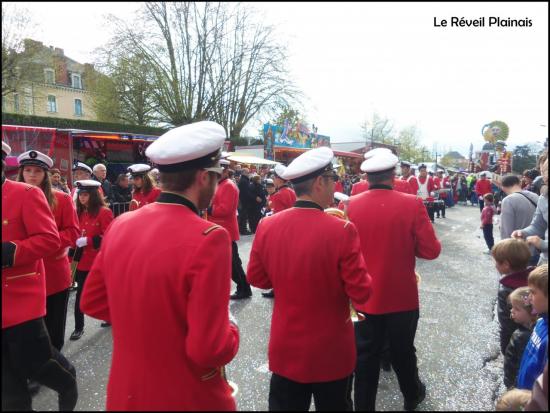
x,y
140,199
413,183
402,186
338,187
483,187
359,187
58,270
168,302
394,228
93,228
313,262
27,224
284,198
224,208
437,182
431,186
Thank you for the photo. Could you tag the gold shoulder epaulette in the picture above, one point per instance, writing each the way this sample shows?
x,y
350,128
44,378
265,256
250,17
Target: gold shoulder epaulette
x,y
209,230
346,224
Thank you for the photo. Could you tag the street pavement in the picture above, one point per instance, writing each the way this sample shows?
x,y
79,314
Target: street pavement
x,y
456,341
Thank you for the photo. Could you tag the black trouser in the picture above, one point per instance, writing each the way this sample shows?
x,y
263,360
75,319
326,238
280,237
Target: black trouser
x,y
488,235
370,335
80,277
254,216
440,208
237,273
431,211
481,204
27,354
289,395
56,317
243,219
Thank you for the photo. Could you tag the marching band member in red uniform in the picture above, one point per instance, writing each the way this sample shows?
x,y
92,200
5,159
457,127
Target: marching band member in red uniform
x,y
170,315
359,187
33,170
94,218
145,191
81,172
383,217
29,234
295,252
409,177
425,183
223,211
283,198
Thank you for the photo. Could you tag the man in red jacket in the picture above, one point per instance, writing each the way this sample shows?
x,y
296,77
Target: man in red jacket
x,y
383,217
223,211
29,234
314,262
168,300
483,186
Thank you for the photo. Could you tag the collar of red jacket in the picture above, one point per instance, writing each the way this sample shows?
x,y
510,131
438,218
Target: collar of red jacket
x,y
171,198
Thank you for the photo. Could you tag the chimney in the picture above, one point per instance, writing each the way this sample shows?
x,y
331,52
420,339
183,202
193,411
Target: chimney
x,y
59,52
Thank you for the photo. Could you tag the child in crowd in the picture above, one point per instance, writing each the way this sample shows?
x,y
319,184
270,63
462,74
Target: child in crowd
x,y
522,314
487,220
511,259
535,355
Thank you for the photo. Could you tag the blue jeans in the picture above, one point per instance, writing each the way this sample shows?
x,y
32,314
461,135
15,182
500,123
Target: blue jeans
x,y
488,235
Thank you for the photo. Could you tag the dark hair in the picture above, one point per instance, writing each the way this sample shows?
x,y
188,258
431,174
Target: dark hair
x,y
55,171
178,181
379,177
510,181
120,177
45,185
489,197
304,188
95,203
147,186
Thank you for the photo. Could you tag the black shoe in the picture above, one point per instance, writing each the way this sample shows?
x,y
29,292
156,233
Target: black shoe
x,y
76,335
67,399
269,294
34,387
239,296
410,405
105,324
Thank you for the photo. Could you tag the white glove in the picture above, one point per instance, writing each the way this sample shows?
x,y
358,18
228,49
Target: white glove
x,y
82,242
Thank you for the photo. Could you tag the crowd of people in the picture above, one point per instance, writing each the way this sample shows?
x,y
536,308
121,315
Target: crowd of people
x,y
179,232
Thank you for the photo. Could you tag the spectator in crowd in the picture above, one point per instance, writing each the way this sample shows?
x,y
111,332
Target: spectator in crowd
x,y
536,234
511,261
535,355
517,210
539,394
462,189
259,196
100,174
529,176
55,175
539,181
487,214
245,201
483,186
121,189
521,314
472,190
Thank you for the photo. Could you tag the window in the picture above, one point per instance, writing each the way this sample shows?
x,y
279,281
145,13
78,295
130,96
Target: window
x,y
78,107
76,81
52,105
16,102
29,106
49,76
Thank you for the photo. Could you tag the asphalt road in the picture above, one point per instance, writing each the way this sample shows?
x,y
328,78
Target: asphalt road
x,y
456,341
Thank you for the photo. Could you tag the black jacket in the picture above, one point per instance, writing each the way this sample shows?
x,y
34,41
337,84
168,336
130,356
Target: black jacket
x,y
121,194
514,354
245,194
257,190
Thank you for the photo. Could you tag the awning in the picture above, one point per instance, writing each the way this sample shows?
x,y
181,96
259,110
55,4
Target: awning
x,y
302,150
253,160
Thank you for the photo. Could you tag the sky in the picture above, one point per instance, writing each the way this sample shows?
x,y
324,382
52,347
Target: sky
x,y
354,59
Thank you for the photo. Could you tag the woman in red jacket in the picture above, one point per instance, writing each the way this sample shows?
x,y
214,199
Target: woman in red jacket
x,y
33,170
94,219
145,190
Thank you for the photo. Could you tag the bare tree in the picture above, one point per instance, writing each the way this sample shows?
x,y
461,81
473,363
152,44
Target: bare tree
x,y
378,129
15,24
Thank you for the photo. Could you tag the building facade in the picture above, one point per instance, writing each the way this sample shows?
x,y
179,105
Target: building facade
x,y
48,83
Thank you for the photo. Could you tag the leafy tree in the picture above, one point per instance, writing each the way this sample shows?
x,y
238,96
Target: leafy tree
x,y
410,148
377,129
293,115
523,157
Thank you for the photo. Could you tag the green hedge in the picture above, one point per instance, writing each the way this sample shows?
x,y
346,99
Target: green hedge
x,y
62,123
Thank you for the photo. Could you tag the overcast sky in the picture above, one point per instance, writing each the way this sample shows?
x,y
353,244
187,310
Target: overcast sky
x,y
351,59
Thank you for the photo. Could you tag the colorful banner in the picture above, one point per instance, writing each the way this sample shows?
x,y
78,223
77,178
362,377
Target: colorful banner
x,y
287,136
